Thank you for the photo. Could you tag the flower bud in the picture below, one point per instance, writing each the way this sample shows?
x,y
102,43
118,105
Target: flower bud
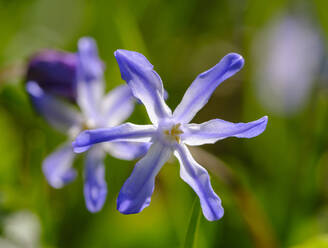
x,y
55,72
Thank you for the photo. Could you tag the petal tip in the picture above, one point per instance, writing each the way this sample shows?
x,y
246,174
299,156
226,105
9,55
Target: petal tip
x,y
122,54
119,52
58,182
95,197
123,207
261,126
79,148
94,208
132,58
216,213
82,139
218,216
95,205
75,146
265,119
57,179
128,206
236,61
33,89
85,43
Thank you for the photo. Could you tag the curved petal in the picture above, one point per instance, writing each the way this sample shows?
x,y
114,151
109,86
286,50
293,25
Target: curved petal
x,y
211,131
95,187
81,149
125,132
137,190
197,177
203,86
57,167
90,87
127,150
59,114
118,105
145,83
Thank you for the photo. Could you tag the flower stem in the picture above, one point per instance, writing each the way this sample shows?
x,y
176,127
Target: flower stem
x,y
193,225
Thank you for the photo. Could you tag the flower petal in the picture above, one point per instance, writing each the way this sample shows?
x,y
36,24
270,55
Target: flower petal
x,y
118,105
145,83
127,150
95,187
90,87
197,177
211,131
125,132
137,190
57,167
59,114
203,86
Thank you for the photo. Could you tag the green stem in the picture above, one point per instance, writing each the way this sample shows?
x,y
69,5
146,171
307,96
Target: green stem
x,y
193,225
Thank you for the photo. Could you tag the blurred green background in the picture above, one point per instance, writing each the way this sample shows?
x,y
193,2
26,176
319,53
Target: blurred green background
x,y
274,187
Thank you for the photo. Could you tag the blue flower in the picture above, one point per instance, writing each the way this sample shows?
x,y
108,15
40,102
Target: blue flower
x,y
97,110
170,132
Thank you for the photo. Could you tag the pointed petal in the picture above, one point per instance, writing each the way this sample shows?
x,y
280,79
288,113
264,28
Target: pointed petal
x,y
95,187
57,167
145,83
59,114
127,150
197,177
126,132
137,190
90,87
214,130
203,86
118,105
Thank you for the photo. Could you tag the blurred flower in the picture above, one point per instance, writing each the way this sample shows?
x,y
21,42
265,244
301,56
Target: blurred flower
x,y
97,111
170,133
287,57
21,230
55,72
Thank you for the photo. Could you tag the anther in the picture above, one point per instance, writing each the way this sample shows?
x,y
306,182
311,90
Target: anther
x,y
174,133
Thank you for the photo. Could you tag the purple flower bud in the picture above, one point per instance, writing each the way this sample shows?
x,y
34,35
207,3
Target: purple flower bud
x,y
55,72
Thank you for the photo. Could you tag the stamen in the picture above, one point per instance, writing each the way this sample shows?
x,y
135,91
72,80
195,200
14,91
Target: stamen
x,y
174,133
88,124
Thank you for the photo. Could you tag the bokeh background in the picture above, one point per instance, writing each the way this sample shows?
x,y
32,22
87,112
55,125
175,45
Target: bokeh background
x,y
274,187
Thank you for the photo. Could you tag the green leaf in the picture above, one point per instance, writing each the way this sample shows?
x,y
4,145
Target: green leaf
x,y
320,241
